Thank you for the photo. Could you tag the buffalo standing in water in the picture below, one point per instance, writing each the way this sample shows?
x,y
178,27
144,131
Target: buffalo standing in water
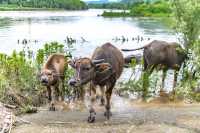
x,y
163,54
103,69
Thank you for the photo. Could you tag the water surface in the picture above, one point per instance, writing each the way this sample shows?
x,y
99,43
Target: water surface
x,y
40,27
47,26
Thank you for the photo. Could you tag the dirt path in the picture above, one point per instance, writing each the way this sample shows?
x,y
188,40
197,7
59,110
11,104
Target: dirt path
x,y
128,117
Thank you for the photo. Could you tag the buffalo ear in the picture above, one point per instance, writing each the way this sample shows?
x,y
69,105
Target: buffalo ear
x,y
103,67
95,62
72,63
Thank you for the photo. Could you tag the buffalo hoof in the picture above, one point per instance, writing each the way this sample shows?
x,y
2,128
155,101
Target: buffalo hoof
x,y
52,108
102,102
108,114
91,118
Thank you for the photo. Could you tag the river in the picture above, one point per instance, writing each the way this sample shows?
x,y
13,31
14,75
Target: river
x,y
47,26
40,27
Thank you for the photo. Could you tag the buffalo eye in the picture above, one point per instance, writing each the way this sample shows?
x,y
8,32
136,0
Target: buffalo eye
x,y
86,68
49,74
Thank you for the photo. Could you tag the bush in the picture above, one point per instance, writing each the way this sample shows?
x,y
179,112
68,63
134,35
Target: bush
x,y
187,24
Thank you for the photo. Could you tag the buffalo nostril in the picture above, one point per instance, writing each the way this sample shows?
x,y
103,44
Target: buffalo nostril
x,y
44,81
72,82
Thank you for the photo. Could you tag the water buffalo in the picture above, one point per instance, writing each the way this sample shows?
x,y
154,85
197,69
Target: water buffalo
x,y
52,76
128,59
163,55
103,69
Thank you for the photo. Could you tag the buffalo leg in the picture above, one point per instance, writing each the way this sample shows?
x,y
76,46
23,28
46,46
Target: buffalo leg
x,y
52,104
92,91
49,93
108,113
57,92
145,64
175,80
81,97
102,98
163,80
61,89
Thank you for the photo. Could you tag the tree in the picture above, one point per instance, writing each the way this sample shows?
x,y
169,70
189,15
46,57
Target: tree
x,y
187,18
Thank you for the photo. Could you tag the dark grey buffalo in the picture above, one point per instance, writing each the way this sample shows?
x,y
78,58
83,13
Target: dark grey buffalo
x,y
163,55
103,69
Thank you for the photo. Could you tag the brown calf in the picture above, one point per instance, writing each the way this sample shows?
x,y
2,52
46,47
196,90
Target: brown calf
x,y
52,76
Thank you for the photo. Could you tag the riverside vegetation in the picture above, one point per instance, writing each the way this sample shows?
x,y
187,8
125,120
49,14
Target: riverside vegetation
x,y
19,84
159,8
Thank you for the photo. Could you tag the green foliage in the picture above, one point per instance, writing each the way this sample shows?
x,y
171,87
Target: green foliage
x,y
49,49
146,85
28,109
187,24
160,8
18,69
115,14
46,4
187,18
114,5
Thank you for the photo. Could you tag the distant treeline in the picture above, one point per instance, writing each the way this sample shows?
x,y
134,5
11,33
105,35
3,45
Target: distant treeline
x,y
157,8
115,5
123,4
63,4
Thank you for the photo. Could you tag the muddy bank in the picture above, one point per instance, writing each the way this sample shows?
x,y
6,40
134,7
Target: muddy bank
x,y
128,116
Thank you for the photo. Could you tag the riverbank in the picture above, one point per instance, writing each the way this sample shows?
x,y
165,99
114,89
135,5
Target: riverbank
x,y
129,14
29,9
116,14
128,116
37,5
